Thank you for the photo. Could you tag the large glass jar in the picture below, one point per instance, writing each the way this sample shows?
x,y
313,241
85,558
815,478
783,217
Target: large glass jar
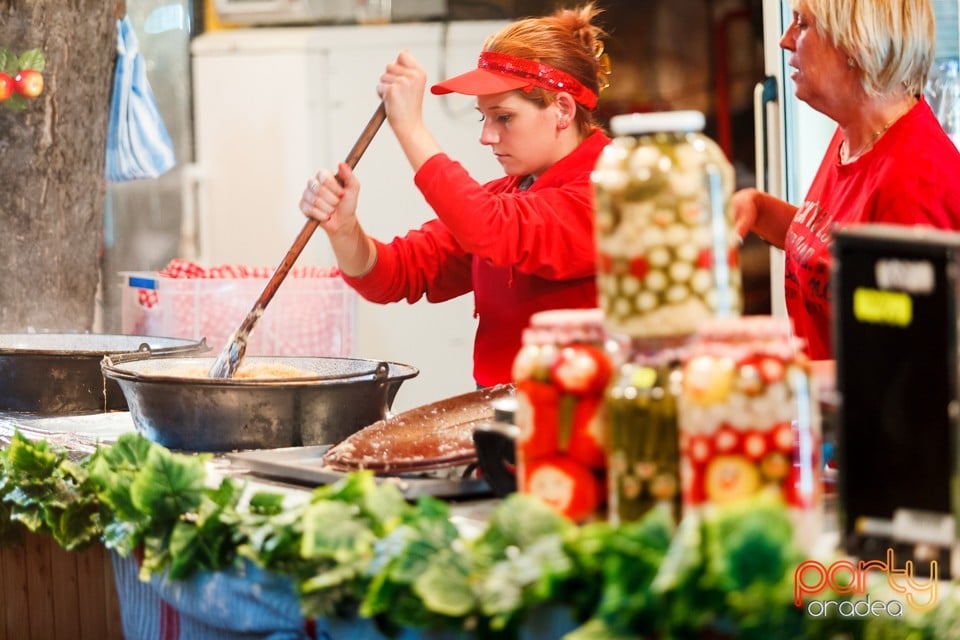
x,y
561,372
667,249
749,420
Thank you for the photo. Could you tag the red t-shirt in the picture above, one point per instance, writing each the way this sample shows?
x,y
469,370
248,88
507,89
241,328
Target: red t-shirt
x,y
519,250
911,176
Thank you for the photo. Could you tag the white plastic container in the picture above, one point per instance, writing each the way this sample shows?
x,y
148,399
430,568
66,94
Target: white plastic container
x,y
308,316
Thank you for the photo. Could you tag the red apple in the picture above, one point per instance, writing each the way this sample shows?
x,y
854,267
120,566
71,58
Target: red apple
x,y
29,83
6,87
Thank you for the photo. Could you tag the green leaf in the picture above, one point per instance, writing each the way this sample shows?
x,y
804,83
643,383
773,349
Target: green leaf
x,y
749,543
418,555
382,504
350,489
32,519
32,59
9,62
224,497
156,555
330,530
266,503
30,458
329,578
122,537
16,102
196,548
169,485
598,630
445,590
130,451
520,520
76,527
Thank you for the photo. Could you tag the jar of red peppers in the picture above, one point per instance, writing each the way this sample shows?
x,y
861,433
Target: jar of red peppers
x,y
561,372
749,420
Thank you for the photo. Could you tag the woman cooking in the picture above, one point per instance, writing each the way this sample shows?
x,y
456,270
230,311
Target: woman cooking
x,y
522,243
864,65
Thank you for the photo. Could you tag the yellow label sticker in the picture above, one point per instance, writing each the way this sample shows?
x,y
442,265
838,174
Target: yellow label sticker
x,y
882,307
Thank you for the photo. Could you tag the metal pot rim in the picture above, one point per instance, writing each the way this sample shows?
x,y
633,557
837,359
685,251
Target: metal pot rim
x,y
377,371
137,344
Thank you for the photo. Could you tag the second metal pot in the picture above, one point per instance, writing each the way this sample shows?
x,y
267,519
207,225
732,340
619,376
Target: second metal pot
x,y
59,373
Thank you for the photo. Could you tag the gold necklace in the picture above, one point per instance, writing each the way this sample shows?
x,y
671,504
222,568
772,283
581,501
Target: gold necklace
x,y
846,157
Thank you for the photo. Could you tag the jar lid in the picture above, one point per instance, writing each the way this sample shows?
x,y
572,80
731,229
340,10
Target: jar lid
x,y
636,123
592,316
565,326
751,327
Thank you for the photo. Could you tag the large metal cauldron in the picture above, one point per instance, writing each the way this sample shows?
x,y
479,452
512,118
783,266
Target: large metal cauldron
x,y
340,396
59,373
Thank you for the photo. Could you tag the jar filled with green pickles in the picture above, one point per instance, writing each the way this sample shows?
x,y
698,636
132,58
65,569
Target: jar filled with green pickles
x,y
667,249
643,464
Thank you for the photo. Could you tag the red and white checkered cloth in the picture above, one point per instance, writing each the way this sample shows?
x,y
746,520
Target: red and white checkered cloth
x,y
312,313
178,268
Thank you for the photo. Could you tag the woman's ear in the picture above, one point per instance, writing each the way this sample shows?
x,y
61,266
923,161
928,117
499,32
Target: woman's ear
x,y
566,109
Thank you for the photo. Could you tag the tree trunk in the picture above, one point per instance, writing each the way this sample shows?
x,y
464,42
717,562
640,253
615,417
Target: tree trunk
x,y
52,157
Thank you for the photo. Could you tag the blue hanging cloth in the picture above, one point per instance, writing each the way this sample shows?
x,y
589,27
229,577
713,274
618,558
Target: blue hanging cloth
x,y
138,145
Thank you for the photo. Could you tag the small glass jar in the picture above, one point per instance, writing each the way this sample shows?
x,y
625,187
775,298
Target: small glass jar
x,y
667,249
643,465
561,373
749,420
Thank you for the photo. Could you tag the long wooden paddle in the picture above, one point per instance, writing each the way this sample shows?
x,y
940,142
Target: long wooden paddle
x,y
231,356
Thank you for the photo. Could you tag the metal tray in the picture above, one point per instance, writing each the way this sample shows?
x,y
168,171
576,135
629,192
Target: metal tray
x,y
304,465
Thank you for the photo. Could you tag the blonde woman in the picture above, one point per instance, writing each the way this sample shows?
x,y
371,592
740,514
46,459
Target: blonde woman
x,y
864,65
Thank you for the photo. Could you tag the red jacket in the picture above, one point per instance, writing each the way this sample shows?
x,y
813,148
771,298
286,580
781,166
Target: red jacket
x,y
520,252
908,178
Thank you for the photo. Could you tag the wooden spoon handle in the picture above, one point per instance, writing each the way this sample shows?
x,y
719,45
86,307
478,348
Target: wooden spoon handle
x,y
311,225
232,354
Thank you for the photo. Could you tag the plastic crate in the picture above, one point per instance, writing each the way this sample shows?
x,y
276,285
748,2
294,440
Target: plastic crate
x,y
308,316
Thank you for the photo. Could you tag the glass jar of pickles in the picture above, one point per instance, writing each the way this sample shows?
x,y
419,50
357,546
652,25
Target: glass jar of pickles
x,y
643,465
749,420
667,249
561,372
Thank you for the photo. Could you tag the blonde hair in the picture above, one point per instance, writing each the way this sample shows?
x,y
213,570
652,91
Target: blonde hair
x,y
566,40
892,41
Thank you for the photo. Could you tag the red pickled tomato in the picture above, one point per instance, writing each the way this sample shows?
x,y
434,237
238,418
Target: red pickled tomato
x,y
727,440
771,370
589,438
755,445
783,437
604,263
565,485
538,413
639,268
705,258
582,368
